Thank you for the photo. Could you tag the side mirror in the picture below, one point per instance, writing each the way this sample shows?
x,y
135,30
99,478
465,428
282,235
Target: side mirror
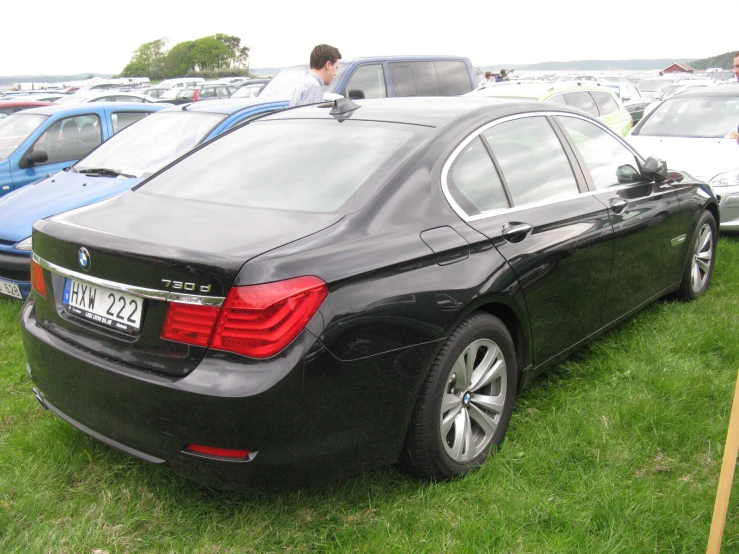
x,y
627,174
356,94
32,158
655,169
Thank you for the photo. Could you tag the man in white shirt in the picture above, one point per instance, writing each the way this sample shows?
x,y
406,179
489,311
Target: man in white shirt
x,y
324,62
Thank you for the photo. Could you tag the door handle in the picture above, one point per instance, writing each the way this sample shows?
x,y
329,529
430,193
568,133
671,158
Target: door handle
x,y
516,232
618,205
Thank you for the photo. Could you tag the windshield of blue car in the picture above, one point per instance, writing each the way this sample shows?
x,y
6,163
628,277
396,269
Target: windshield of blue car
x,y
693,117
15,129
144,148
308,165
284,83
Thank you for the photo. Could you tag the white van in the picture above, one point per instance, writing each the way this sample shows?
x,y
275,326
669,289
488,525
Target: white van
x,y
176,85
182,82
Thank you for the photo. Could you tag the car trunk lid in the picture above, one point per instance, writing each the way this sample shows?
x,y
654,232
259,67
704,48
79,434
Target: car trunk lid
x,y
150,250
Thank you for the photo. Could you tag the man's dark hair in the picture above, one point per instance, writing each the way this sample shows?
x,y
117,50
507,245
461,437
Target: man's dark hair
x,y
324,53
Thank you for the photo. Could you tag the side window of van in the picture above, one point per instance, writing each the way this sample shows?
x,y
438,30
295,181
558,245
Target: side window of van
x,y
414,78
453,78
432,78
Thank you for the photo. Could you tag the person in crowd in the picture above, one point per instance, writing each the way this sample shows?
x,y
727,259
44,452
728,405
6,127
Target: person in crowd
x,y
486,79
502,76
324,63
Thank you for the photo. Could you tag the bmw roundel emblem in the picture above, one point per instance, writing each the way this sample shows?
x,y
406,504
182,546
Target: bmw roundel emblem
x,y
83,256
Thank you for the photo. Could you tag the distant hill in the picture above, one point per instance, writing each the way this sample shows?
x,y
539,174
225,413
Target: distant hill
x,y
724,61
594,65
11,79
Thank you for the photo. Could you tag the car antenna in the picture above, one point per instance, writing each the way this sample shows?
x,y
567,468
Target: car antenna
x,y
343,106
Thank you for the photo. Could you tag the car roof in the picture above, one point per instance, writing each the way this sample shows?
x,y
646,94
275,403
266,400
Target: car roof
x,y
20,103
431,111
537,90
226,106
709,91
72,109
420,57
403,58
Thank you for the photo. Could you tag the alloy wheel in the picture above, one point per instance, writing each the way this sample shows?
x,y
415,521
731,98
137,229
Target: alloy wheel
x,y
473,401
700,270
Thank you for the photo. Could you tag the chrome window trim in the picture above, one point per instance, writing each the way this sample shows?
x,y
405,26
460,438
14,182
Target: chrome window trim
x,y
477,132
142,292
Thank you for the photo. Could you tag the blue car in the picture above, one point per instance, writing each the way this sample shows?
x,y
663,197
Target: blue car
x,y
39,142
114,167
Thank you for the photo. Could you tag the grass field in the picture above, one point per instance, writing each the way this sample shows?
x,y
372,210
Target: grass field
x,y
617,449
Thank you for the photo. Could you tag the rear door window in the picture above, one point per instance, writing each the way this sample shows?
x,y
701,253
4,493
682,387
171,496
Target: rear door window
x,y
606,103
368,81
121,120
534,164
473,182
583,101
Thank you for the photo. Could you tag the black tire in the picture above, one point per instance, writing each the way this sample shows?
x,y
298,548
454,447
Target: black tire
x,y
426,452
696,276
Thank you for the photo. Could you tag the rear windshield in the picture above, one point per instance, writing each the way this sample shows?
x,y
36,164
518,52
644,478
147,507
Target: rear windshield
x,y
698,117
304,165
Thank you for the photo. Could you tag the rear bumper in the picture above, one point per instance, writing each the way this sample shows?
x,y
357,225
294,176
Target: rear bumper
x,y
320,418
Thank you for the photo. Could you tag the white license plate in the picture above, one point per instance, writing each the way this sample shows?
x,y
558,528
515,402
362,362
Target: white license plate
x,y
103,305
10,289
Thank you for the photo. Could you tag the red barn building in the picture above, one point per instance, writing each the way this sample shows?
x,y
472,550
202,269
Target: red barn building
x,y
678,67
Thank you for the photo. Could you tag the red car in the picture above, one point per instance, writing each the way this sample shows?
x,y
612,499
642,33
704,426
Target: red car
x,y
9,106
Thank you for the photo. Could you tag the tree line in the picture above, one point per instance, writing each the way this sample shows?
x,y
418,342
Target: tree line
x,y
724,61
214,54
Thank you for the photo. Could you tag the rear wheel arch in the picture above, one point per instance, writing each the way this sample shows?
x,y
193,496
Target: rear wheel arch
x,y
514,326
510,319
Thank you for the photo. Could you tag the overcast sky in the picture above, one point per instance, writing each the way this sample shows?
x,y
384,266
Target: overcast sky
x,y
87,36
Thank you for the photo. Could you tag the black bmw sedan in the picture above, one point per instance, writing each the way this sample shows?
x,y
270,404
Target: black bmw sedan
x,y
336,287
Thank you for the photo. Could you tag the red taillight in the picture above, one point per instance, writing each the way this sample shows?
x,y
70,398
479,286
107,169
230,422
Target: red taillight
x,y
190,323
196,95
259,321
38,283
220,452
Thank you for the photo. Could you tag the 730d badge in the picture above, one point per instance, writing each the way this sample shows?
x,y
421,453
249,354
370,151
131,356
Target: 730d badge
x,y
181,285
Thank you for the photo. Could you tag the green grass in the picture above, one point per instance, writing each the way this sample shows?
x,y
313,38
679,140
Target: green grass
x,y
617,449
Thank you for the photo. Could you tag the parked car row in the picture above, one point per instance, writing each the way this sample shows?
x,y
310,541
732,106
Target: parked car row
x,y
202,267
